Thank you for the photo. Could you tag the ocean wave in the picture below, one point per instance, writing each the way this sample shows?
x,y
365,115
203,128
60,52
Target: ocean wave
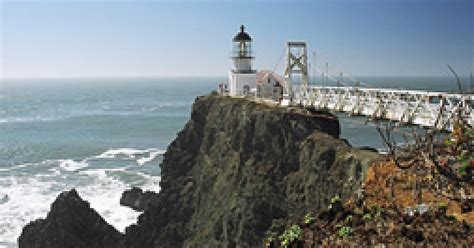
x,y
31,199
141,156
71,165
27,200
130,153
153,153
65,164
16,167
28,197
27,119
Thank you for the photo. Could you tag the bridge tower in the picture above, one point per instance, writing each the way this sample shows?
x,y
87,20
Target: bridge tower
x,y
296,67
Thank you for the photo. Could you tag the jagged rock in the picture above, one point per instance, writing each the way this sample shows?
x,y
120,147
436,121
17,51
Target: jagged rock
x,y
70,223
138,200
239,169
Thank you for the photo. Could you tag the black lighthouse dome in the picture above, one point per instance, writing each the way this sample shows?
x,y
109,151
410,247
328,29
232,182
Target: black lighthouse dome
x,y
242,35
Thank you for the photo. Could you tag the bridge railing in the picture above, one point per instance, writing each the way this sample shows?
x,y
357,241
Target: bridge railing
x,y
425,108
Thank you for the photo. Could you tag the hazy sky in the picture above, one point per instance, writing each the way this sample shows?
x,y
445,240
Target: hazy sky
x,y
193,38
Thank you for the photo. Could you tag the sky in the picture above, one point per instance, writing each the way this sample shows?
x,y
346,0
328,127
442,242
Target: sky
x,y
93,38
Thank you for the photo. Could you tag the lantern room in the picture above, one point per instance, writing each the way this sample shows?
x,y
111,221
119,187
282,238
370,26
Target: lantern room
x,y
242,52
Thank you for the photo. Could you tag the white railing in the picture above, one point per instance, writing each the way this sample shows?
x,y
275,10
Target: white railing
x,y
405,106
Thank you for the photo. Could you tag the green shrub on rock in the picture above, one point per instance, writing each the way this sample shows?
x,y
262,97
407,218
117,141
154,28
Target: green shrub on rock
x,y
290,235
344,231
309,219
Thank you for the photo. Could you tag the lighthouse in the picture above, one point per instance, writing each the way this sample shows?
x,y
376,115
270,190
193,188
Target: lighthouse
x,y
242,78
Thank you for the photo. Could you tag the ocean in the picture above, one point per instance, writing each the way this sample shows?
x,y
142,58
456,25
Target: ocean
x,y
102,136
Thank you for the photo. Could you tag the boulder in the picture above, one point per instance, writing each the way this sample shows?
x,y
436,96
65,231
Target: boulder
x,y
138,200
71,223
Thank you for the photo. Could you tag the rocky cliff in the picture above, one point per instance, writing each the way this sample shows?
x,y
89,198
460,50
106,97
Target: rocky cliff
x,y
239,167
238,170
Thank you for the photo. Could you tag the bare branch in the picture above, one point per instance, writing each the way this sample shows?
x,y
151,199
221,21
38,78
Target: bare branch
x,y
458,81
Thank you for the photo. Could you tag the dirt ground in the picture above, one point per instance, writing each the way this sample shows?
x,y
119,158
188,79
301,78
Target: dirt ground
x,y
379,192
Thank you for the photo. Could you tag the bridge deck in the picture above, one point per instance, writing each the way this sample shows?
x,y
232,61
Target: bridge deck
x,y
417,107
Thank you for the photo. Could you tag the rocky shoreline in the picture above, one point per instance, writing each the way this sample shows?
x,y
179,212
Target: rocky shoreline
x,y
237,172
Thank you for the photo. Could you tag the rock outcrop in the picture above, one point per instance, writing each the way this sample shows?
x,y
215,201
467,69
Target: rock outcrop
x,y
138,200
237,170
71,223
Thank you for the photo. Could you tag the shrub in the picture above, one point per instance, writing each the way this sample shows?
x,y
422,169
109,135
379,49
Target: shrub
x,y
442,206
309,219
367,216
335,199
344,231
290,235
348,218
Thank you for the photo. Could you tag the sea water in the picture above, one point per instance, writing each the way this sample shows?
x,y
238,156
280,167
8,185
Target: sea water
x,y
102,136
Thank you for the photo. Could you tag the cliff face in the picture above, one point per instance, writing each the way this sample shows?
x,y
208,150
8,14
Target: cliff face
x,y
239,168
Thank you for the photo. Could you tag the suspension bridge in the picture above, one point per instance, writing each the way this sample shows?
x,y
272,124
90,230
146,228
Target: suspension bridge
x,y
438,110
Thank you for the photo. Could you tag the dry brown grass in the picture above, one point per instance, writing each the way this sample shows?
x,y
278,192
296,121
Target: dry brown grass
x,y
378,191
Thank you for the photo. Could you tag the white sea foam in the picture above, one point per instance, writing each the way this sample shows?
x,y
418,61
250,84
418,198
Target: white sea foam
x,y
153,153
31,199
27,119
65,164
130,153
27,201
25,198
152,182
127,152
71,165
16,167
104,196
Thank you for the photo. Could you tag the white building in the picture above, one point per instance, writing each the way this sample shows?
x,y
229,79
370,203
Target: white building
x,y
242,79
270,85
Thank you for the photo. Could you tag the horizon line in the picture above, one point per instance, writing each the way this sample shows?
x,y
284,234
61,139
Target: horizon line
x,y
203,76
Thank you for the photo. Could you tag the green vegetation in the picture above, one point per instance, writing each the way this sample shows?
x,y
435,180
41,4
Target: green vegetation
x,y
348,219
344,231
367,216
376,211
459,144
290,235
309,219
442,206
269,241
335,199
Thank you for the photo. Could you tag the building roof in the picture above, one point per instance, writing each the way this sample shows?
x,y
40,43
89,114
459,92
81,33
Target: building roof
x,y
263,75
242,35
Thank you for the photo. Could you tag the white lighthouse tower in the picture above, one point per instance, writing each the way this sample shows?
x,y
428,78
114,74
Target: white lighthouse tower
x,y
242,79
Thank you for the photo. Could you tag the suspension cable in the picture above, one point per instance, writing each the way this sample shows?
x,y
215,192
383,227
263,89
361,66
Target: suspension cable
x,y
279,60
